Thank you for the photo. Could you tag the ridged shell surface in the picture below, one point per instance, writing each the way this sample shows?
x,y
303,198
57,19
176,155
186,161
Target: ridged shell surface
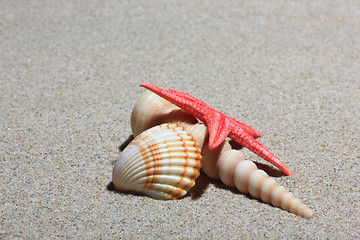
x,y
162,162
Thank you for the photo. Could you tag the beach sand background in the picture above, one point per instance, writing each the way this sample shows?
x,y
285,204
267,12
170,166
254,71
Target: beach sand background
x,y
69,78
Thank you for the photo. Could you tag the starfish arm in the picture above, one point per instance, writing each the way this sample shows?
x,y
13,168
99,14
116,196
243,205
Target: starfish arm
x,y
219,128
184,101
250,143
246,128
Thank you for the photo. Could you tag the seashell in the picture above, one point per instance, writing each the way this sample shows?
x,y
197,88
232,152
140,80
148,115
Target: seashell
x,y
229,165
222,163
162,162
151,110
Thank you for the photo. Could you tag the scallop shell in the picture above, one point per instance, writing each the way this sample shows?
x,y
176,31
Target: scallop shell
x,y
162,162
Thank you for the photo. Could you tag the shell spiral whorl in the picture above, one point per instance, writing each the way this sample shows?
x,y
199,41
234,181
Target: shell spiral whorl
x,y
223,162
152,110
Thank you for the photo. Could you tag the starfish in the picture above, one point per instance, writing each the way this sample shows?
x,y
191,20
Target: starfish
x,y
219,125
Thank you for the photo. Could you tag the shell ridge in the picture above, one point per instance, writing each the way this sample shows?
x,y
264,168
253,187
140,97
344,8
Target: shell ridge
x,y
162,162
133,171
165,193
163,180
162,174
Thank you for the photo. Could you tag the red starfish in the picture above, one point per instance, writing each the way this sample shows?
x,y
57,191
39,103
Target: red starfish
x,y
219,125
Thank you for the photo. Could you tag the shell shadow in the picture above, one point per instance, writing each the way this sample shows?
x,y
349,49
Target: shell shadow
x,y
271,171
201,184
111,188
126,143
235,145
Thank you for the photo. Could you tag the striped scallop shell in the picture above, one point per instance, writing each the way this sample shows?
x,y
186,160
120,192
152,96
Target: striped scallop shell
x,y
162,162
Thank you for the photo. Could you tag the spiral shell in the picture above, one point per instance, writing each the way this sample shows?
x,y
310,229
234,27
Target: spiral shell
x,y
222,163
162,162
151,110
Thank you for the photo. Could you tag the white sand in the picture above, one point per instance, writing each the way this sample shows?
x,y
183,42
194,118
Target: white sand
x,y
69,78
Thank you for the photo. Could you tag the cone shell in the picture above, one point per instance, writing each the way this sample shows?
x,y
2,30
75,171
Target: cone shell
x,y
162,162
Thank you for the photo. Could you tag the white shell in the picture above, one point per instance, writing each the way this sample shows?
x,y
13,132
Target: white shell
x,y
162,162
152,110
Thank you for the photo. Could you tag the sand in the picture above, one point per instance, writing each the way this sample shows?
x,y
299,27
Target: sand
x,y
69,79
